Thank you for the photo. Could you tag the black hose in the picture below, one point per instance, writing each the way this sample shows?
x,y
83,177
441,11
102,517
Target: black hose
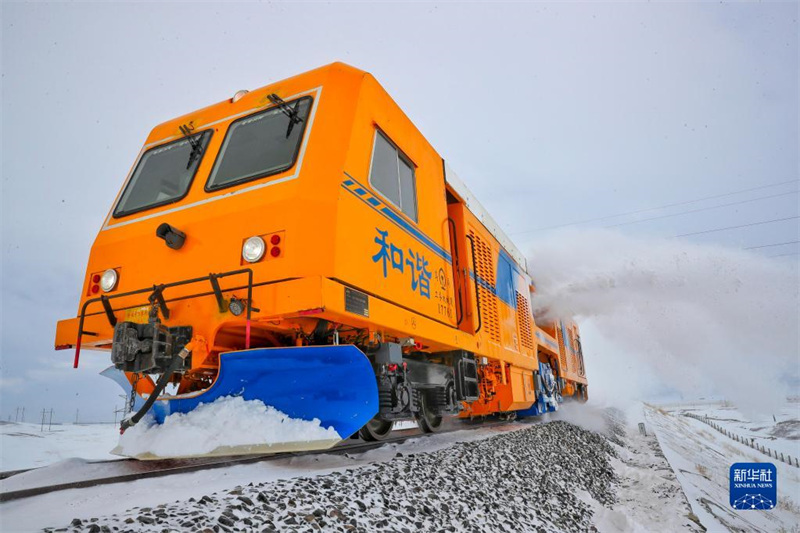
x,y
177,362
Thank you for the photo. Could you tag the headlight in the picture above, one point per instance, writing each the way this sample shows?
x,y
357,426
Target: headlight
x,y
109,280
253,249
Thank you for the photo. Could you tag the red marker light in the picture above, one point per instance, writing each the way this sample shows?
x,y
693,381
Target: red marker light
x,y
275,251
95,289
275,240
393,367
96,278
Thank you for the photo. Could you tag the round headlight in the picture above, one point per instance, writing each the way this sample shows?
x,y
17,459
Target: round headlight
x,y
253,249
109,280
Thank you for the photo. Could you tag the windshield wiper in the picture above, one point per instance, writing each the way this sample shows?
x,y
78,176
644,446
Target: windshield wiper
x,y
292,112
196,142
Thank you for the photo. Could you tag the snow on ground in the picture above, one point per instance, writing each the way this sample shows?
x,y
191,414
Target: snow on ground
x,y
217,428
779,431
528,479
24,445
35,513
649,497
701,459
549,475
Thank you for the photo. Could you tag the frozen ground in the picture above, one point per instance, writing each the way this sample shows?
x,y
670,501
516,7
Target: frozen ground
x,y
582,469
24,445
547,476
701,459
31,514
779,431
536,478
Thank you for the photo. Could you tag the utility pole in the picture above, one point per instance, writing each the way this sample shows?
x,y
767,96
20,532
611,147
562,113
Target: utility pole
x,y
23,413
43,414
76,415
50,424
16,417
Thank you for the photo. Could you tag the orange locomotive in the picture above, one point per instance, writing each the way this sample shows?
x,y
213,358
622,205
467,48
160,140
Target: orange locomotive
x,y
303,244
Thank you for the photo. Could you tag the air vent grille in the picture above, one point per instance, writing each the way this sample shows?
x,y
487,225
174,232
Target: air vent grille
x,y
524,323
485,278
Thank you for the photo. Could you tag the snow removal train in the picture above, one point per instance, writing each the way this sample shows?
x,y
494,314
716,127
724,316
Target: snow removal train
x,y
304,245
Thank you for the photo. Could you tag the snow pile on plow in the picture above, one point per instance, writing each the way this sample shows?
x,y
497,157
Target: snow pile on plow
x,y
229,425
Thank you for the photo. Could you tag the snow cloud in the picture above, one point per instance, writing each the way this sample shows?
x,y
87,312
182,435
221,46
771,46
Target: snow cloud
x,y
664,314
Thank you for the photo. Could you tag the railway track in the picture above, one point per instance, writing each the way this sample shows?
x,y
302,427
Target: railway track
x,y
125,470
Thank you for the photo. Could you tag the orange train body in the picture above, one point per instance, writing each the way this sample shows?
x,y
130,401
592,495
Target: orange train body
x,y
354,251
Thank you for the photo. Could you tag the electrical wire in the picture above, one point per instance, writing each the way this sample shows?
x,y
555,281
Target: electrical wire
x,y
657,208
784,255
770,245
701,209
735,227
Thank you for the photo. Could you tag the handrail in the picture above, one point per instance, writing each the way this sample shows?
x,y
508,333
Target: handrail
x,y
156,296
477,292
454,242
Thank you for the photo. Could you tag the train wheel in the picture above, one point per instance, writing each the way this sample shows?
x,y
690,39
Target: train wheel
x,y
507,416
376,429
426,420
583,393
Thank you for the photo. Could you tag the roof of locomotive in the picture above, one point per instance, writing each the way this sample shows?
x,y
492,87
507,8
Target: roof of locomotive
x,y
168,129
483,215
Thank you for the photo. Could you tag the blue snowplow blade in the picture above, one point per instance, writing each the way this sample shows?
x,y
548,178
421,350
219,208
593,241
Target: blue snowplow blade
x,y
334,384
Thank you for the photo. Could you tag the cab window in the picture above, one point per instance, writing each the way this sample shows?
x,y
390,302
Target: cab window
x,y
163,174
392,174
260,145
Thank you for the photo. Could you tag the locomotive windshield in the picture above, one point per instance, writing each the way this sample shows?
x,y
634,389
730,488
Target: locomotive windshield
x,y
163,174
260,145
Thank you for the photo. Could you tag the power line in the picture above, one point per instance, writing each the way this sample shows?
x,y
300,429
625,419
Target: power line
x,y
701,209
736,227
657,208
770,245
784,255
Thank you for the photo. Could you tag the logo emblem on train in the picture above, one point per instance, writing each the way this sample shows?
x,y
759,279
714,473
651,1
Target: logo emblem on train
x,y
304,245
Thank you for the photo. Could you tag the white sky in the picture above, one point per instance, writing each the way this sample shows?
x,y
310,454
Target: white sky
x,y
552,113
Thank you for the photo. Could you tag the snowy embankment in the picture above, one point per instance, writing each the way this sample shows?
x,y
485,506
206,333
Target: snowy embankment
x,y
548,475
543,475
779,432
538,479
701,459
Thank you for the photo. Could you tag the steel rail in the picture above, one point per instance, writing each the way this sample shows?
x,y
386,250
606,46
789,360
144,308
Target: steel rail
x,y
184,466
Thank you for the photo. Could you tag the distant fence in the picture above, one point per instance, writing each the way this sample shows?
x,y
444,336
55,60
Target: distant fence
x,y
747,442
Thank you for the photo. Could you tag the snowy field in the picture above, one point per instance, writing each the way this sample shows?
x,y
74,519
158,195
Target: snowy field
x,y
779,431
701,459
24,445
576,479
594,473
59,509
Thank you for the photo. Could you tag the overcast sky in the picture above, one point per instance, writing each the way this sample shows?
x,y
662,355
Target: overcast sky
x,y
552,113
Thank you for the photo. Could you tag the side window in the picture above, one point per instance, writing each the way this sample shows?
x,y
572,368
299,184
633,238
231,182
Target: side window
x,y
505,280
392,174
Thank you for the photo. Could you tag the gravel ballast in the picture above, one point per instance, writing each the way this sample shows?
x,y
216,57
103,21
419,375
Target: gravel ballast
x,y
524,480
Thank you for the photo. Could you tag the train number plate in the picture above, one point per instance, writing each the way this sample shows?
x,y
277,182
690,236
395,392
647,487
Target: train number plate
x,y
356,302
139,315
